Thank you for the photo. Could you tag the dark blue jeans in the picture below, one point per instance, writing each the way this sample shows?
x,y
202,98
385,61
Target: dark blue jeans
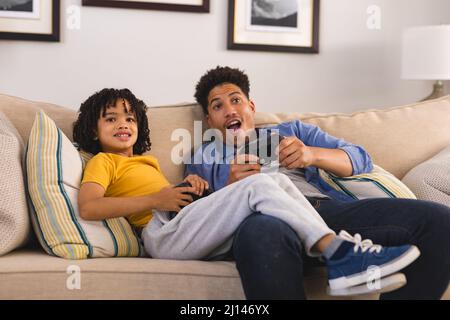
x,y
270,259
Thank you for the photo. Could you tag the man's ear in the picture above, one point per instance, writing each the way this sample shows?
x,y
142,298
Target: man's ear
x,y
252,105
208,119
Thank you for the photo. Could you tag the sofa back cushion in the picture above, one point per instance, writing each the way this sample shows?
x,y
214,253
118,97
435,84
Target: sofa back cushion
x,y
163,123
14,221
54,171
397,138
22,112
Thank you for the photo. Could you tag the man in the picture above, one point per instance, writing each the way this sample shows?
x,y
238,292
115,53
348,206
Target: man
x,y
223,94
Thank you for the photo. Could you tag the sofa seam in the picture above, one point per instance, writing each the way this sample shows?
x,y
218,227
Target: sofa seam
x,y
119,272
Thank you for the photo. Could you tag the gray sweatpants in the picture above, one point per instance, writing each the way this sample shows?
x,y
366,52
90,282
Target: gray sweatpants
x,y
205,228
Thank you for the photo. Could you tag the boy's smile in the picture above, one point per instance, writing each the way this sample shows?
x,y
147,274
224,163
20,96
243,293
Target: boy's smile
x,y
230,111
117,129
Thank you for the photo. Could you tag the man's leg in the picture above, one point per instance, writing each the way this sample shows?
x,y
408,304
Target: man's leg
x,y
268,256
393,222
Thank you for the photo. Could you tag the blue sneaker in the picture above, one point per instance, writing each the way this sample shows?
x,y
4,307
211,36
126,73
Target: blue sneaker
x,y
367,262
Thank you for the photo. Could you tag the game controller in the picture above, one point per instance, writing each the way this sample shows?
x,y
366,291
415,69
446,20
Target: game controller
x,y
194,196
263,143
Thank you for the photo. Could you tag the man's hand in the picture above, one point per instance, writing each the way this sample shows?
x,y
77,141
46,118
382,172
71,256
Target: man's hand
x,y
243,166
293,153
198,183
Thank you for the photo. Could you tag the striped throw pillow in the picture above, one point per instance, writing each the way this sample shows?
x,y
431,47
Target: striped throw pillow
x,y
54,171
377,184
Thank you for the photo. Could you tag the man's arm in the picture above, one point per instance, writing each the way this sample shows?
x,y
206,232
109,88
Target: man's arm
x,y
313,147
295,154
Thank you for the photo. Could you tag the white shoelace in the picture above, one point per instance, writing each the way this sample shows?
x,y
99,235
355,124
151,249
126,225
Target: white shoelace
x,y
359,243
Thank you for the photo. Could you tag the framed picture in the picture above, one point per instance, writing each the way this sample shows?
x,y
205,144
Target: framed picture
x,y
171,5
30,20
274,25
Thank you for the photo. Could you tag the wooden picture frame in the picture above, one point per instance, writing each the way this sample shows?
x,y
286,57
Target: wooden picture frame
x,y
201,6
41,24
256,29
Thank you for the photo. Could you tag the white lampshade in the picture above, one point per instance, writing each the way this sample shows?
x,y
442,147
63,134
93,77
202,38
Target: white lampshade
x,y
426,53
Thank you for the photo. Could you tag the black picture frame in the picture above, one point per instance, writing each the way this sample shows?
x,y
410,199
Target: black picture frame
x,y
149,5
313,47
52,36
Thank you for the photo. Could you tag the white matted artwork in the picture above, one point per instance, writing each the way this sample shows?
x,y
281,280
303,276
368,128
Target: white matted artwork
x,y
276,16
274,25
30,20
170,5
26,9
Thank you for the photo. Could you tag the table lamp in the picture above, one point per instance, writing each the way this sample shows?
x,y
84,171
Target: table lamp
x,y
426,56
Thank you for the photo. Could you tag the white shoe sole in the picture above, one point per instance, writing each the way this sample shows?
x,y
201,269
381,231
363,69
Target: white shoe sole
x,y
387,284
380,271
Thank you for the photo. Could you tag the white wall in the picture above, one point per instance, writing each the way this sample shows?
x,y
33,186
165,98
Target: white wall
x,y
160,56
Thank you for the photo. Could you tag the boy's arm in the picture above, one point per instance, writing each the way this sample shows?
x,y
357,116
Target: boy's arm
x,y
93,205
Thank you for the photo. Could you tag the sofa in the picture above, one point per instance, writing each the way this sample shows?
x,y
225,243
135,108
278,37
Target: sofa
x,y
398,138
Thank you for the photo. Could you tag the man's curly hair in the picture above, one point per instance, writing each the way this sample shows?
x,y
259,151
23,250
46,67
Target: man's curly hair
x,y
218,76
85,127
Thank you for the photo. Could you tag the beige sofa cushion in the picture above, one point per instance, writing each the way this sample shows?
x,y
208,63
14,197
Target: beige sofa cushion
x,y
22,112
46,277
404,132
397,138
162,122
14,221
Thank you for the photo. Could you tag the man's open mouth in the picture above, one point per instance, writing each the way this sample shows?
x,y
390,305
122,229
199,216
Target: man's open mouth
x,y
234,125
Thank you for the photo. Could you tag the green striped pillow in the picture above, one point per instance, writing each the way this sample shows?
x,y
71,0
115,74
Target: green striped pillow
x,y
54,171
377,184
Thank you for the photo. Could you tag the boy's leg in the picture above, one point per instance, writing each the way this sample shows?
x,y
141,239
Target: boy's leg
x,y
393,222
291,189
200,228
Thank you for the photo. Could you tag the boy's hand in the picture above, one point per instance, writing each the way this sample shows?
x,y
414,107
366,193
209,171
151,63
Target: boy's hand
x,y
172,199
199,184
242,166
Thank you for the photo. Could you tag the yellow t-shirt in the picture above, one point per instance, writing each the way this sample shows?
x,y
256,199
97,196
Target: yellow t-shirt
x,y
126,177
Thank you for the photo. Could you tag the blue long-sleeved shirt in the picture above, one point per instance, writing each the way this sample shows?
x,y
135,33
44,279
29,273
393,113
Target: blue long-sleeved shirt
x,y
217,172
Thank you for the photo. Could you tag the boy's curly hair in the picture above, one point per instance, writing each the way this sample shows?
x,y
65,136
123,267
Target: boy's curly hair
x,y
218,76
85,127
